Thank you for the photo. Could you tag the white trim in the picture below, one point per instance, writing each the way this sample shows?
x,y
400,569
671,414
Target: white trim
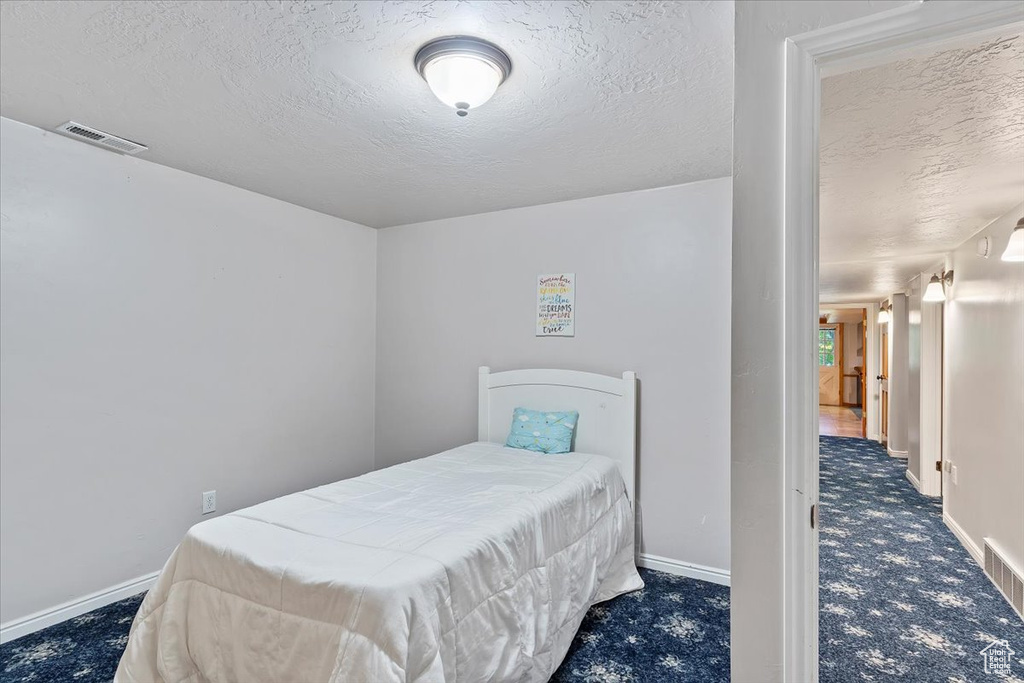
x,y
913,480
965,540
832,47
680,568
16,628
897,454
800,379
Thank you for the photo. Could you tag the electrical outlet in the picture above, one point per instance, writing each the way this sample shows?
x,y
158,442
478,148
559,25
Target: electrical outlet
x,y
209,502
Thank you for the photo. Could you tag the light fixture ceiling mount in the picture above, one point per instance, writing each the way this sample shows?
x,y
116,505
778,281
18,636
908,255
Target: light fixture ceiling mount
x,y
462,71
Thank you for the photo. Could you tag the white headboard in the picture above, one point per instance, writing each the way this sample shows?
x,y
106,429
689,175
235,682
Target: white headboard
x,y
607,408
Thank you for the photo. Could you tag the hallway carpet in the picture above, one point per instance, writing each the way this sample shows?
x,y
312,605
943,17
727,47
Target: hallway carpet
x,y
900,598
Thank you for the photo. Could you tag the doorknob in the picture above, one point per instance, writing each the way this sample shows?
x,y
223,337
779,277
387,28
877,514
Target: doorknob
x,y
879,377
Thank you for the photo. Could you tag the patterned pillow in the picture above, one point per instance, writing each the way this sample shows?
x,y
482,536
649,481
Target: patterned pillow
x,y
542,431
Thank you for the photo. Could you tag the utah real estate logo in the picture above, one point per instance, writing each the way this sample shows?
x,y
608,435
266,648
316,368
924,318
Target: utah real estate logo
x,y
998,656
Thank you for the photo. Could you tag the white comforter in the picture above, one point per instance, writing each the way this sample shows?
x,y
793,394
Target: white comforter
x,y
477,564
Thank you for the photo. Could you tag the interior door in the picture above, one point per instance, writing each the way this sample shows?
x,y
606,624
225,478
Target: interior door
x,y
830,364
883,386
864,376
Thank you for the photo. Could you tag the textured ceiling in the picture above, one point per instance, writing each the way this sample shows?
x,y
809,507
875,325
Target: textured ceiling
x,y
318,103
916,156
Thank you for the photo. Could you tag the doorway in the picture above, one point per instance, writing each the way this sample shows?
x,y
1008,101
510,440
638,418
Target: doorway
x,y
870,40
842,354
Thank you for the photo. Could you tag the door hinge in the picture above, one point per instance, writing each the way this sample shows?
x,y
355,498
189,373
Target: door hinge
x,y
938,465
814,516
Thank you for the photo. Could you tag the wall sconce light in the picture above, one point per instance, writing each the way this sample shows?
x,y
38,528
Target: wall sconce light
x,y
936,289
883,313
1015,247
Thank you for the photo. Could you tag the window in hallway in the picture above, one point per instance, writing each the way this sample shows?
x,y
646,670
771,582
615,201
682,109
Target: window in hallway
x,y
827,347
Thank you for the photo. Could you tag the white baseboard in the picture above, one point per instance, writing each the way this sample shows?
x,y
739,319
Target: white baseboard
x,y
914,481
897,454
964,539
688,569
16,628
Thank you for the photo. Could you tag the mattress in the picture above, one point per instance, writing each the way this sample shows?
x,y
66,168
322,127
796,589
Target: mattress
x,y
476,564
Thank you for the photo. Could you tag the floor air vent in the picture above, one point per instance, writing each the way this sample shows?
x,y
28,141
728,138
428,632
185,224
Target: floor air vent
x,y
98,137
1007,580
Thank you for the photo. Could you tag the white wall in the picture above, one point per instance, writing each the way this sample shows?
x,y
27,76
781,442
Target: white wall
x,y
163,334
762,27
925,387
914,294
984,393
930,392
652,271
899,375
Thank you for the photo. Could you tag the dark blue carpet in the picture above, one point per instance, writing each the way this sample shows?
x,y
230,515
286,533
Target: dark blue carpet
x,y
900,598
86,648
675,629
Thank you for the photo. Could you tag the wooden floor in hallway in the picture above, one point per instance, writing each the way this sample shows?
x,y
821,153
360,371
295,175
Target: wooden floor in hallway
x,y
838,421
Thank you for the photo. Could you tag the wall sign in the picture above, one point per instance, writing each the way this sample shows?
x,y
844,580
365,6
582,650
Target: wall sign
x,y
556,305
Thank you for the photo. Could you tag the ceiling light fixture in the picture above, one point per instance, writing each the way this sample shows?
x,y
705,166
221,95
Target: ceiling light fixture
x,y
883,314
463,72
1015,247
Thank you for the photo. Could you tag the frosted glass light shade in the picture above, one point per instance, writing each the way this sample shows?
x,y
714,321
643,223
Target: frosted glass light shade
x,y
883,316
462,71
462,81
1015,247
934,290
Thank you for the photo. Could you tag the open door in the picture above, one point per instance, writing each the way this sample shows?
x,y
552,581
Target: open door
x,y
864,377
830,364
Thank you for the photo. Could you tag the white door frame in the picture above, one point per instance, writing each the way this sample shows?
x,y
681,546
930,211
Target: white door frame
x,y
873,40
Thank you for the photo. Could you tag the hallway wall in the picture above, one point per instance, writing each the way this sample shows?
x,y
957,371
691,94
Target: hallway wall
x,y
914,381
984,394
899,378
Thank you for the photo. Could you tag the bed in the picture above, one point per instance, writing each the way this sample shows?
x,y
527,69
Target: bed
x,y
476,564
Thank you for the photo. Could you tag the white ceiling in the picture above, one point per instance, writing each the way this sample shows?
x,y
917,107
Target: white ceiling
x,y
318,103
916,156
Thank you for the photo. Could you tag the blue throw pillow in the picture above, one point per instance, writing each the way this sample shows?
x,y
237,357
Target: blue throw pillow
x,y
540,431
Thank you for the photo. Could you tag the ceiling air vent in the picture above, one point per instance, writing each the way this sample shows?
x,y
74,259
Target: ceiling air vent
x,y
98,137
